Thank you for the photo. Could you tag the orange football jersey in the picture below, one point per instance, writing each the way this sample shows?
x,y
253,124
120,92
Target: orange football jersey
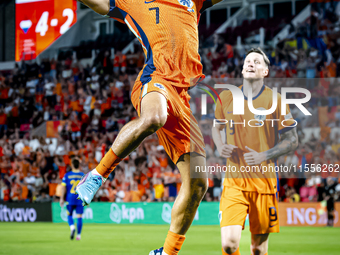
x,y
168,33
258,132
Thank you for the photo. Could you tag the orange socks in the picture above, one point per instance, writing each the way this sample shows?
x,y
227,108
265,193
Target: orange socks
x,y
108,163
237,252
173,243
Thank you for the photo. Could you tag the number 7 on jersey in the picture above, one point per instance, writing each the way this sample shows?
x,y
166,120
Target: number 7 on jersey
x,y
157,13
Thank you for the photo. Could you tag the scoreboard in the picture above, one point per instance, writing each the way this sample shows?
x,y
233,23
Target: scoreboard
x,y
39,23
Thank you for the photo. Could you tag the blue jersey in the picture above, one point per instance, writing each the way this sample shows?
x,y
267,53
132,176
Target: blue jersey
x,y
70,181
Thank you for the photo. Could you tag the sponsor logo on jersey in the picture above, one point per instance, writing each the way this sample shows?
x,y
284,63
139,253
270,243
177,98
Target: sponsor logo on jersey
x,y
187,3
158,85
258,117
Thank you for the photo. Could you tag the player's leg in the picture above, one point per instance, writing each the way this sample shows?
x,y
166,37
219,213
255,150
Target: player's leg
x,y
191,193
183,142
79,225
230,238
232,216
189,197
79,211
259,244
263,219
153,117
70,221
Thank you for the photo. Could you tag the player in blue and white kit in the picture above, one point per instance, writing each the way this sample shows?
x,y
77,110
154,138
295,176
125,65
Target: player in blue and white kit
x,y
69,183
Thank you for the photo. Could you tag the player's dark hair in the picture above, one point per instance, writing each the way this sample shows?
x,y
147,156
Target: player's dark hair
x,y
259,51
75,163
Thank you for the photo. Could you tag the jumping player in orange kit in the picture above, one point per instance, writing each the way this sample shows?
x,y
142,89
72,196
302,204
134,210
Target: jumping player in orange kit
x,y
255,146
168,33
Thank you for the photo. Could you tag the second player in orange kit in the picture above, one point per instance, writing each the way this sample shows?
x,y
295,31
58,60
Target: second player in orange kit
x,y
251,149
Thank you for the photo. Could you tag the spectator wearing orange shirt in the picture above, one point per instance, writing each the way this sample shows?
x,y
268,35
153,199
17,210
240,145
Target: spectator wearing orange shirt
x,y
145,177
74,105
58,89
106,110
5,165
135,193
112,193
92,162
75,126
16,190
113,90
26,167
58,160
3,93
15,114
17,169
119,63
163,158
35,169
119,180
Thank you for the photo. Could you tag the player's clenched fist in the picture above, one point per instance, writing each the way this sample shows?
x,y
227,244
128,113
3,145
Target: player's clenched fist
x,y
253,157
226,150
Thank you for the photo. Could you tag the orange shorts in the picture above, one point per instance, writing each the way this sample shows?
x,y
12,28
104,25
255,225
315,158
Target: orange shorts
x,y
181,133
262,209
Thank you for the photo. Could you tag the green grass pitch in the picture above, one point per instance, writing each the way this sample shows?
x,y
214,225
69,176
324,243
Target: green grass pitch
x,y
49,238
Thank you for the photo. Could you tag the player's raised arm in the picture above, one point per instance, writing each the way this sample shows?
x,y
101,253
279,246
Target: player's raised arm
x,y
101,7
